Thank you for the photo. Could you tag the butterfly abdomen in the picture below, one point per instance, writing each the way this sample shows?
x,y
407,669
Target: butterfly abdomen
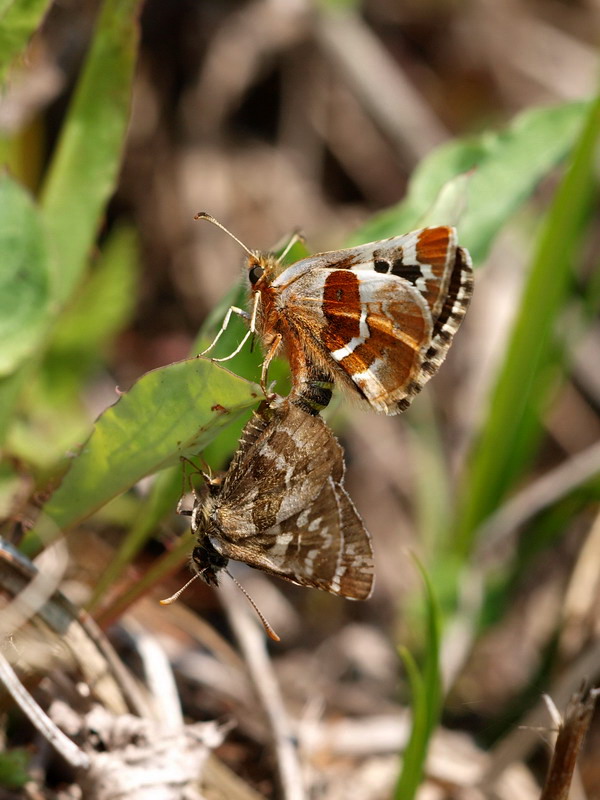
x,y
313,393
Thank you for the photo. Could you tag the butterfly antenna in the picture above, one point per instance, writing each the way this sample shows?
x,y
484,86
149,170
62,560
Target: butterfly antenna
x,y
168,600
270,632
209,218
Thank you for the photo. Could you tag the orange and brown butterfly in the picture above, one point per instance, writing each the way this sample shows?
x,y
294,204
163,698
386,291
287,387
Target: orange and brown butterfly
x,y
282,508
378,318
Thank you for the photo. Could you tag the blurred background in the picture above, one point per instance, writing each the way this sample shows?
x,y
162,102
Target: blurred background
x,y
279,115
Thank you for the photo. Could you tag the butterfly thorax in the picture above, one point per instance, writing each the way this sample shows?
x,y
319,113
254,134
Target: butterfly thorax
x,y
313,381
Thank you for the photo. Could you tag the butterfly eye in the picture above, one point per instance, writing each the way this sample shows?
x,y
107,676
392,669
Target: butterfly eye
x,y
255,274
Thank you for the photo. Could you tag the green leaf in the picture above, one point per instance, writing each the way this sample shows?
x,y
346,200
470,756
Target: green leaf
x,y
53,418
84,168
530,370
426,694
24,277
18,21
10,392
507,167
172,411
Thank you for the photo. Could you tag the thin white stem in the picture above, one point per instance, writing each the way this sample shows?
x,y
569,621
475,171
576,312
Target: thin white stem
x,y
252,644
53,734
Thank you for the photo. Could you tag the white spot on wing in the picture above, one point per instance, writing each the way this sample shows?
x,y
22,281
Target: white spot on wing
x,y
303,518
349,348
280,547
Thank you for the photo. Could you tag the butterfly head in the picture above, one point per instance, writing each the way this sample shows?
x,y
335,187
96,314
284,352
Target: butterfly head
x,y
207,562
262,268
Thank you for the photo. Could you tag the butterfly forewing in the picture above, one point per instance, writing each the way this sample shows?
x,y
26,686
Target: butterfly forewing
x,y
380,317
277,471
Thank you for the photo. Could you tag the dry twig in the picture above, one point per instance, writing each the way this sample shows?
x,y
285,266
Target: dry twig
x,y
252,643
568,744
520,742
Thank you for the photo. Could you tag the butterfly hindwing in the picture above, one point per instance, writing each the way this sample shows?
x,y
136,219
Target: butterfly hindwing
x,y
324,546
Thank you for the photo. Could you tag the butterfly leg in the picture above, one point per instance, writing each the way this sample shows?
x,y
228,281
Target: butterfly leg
x,y
232,310
244,314
297,236
268,358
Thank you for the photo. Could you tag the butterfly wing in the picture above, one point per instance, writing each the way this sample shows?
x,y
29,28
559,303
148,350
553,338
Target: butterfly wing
x,y
325,546
382,315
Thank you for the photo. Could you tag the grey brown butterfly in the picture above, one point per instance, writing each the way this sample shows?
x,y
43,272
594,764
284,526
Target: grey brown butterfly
x,y
282,508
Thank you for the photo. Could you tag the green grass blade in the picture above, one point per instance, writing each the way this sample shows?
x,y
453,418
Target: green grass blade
x,y
18,21
85,165
431,668
172,411
14,768
412,759
527,376
426,693
11,388
508,166
24,277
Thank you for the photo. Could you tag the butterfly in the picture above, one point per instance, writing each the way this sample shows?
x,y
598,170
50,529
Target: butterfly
x,y
378,318
282,508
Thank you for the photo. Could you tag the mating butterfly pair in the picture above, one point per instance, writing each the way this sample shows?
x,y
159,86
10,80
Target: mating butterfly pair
x,y
379,319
